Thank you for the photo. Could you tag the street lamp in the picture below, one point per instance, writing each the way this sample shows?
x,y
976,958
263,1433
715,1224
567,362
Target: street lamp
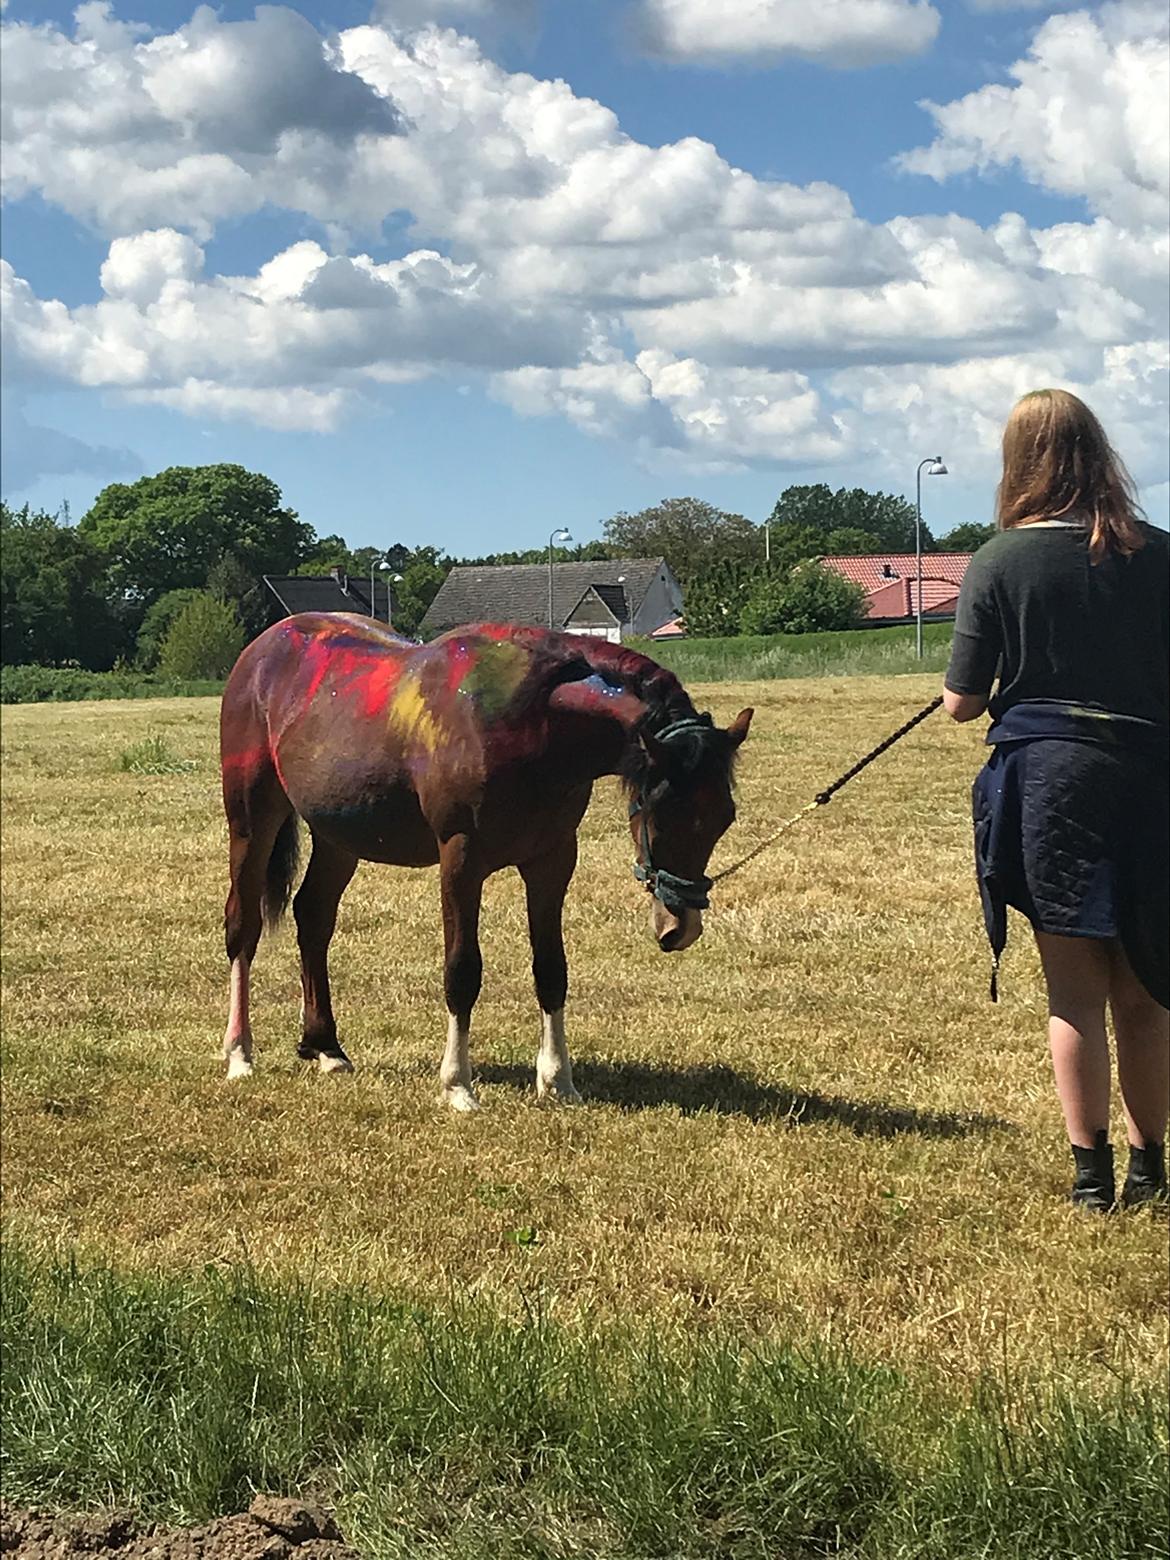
x,y
378,563
381,563
558,537
934,468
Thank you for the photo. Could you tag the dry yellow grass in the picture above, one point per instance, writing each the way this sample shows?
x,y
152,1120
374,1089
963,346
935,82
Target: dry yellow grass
x,y
813,1124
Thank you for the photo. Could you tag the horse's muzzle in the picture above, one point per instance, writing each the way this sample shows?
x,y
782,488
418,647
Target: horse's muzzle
x,y
674,932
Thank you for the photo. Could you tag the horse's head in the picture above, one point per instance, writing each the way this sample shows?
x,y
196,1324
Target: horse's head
x,y
680,780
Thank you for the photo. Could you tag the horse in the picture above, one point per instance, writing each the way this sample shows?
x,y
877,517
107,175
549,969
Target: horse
x,y
475,752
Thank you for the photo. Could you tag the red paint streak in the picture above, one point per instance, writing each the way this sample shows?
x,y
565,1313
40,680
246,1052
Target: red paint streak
x,y
460,660
377,685
245,762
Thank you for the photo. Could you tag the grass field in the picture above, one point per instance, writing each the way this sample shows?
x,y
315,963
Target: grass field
x,y
803,1251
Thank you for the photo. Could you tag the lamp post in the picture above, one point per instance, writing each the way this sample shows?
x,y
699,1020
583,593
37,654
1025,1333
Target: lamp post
x,y
378,563
559,536
934,468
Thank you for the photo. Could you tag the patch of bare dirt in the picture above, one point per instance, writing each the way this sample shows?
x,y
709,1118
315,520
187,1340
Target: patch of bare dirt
x,y
272,1528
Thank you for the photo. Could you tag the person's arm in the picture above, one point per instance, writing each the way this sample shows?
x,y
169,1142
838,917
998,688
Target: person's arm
x,y
964,706
976,648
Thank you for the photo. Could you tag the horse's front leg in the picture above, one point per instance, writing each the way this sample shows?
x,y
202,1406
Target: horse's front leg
x,y
462,891
545,880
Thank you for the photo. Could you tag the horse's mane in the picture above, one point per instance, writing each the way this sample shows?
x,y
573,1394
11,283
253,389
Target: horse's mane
x,y
695,747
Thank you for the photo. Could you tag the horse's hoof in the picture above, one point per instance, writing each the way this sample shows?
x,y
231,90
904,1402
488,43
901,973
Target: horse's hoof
x,y
557,1094
334,1064
238,1066
460,1099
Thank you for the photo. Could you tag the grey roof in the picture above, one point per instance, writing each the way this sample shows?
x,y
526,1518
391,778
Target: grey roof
x,y
323,593
518,592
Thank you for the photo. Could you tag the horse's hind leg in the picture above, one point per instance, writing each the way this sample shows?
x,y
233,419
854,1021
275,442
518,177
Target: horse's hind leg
x,y
255,826
315,910
461,882
545,881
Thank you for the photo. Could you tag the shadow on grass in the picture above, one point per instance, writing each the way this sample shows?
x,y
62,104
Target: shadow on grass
x,y
635,1086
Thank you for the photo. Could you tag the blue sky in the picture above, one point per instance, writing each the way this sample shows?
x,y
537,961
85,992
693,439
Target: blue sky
x,y
379,254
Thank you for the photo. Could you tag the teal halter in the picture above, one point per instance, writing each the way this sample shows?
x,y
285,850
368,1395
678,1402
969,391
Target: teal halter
x,y
673,892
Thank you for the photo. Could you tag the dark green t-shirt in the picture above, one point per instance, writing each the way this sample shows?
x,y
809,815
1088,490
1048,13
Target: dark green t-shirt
x,y
1064,627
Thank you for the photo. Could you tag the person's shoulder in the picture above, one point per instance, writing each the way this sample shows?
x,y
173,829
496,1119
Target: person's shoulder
x,y
1157,540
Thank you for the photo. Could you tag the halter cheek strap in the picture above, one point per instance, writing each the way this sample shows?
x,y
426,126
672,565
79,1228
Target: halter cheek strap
x,y
673,892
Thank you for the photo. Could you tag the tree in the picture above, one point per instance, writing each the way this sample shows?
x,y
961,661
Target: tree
x,y
419,586
715,600
886,517
53,605
228,580
968,537
156,625
849,542
203,641
804,600
167,532
690,534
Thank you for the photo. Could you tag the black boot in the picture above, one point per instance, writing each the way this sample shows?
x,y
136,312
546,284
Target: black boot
x,y
1146,1181
1093,1187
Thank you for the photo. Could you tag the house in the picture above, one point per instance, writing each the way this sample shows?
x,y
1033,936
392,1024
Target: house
x,y
890,582
336,591
613,600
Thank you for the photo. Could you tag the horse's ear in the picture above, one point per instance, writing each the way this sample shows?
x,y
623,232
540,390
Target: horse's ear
x,y
738,729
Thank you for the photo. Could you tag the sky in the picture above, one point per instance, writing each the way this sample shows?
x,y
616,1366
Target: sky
x,y
462,272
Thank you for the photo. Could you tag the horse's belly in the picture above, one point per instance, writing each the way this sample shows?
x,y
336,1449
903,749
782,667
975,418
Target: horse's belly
x,y
390,829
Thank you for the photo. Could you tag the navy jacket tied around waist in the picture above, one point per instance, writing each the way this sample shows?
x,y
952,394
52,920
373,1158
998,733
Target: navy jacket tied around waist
x,y
1071,829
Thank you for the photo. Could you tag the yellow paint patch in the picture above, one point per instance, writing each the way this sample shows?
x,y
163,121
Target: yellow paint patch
x,y
410,715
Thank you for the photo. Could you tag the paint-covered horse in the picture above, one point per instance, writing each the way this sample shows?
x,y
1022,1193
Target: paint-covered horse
x,y
475,752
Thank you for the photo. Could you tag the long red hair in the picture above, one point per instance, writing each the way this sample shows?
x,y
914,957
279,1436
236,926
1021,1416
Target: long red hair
x,y
1058,464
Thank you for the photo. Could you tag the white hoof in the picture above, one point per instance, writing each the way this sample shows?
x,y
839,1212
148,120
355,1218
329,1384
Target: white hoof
x,y
334,1064
557,1093
238,1066
460,1098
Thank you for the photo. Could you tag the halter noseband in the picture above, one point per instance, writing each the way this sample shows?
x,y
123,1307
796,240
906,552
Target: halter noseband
x,y
673,892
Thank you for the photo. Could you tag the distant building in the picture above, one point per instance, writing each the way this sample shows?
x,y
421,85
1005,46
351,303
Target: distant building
x,y
890,582
336,591
615,600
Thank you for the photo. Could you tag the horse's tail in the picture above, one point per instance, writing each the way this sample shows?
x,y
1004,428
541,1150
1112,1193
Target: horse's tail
x,y
282,869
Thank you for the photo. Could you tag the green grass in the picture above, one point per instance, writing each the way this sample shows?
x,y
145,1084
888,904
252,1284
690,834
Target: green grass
x,y
152,755
815,1198
458,1431
856,653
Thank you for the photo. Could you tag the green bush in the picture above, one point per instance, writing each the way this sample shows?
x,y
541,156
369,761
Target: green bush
x,y
66,684
806,599
204,639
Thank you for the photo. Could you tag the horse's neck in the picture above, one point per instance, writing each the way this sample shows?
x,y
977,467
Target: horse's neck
x,y
609,708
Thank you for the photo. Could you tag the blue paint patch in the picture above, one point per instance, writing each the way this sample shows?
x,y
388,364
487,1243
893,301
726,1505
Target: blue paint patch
x,y
598,684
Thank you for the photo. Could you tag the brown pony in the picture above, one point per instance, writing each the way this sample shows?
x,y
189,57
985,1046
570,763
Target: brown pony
x,y
476,752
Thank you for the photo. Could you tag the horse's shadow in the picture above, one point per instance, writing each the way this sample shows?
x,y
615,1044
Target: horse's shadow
x,y
633,1086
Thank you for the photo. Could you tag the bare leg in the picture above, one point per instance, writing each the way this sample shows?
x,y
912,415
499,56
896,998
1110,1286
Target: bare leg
x,y
546,879
315,909
1077,972
462,891
1141,1029
248,855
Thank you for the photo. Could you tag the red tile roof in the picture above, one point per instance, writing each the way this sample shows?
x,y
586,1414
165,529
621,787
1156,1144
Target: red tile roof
x,y
890,581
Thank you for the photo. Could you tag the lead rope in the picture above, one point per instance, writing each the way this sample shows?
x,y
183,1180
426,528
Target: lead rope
x,y
822,797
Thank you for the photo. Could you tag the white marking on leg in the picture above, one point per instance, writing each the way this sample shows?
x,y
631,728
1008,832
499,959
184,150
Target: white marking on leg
x,y
554,1071
237,1040
455,1071
340,1063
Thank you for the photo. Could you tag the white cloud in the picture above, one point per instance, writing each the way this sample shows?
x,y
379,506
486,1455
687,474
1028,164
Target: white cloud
x,y
29,451
1086,116
654,295
762,32
184,128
